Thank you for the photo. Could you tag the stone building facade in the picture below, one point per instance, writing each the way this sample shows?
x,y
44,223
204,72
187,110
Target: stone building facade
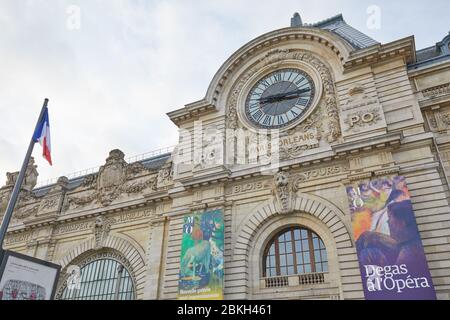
x,y
377,110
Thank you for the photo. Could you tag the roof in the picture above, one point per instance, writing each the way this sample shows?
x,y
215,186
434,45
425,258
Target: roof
x,y
433,55
337,25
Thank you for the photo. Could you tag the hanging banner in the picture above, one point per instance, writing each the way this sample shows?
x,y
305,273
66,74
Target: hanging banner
x,y
201,259
390,252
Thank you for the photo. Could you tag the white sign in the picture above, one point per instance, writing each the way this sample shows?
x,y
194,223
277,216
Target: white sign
x,y
26,278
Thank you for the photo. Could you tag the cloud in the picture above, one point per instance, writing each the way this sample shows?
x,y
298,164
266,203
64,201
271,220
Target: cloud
x,y
111,82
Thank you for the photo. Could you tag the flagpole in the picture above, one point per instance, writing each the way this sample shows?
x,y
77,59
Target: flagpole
x,y
18,184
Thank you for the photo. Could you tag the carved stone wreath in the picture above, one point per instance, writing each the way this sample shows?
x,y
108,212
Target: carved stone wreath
x,y
328,126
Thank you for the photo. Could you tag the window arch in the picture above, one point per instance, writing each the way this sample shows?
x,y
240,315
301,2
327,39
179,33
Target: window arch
x,y
101,279
293,251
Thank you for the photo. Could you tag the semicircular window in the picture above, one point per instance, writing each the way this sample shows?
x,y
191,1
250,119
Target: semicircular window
x,y
295,251
103,279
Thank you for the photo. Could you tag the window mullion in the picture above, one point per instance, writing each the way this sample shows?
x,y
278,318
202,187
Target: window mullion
x,y
277,257
294,250
311,249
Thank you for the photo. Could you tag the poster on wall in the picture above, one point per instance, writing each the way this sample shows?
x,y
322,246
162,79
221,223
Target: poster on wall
x,y
390,252
201,258
27,278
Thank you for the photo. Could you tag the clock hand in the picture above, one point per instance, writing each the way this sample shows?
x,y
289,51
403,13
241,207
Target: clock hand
x,y
283,96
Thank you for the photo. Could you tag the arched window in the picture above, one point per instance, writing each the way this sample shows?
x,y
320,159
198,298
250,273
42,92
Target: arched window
x,y
103,279
295,251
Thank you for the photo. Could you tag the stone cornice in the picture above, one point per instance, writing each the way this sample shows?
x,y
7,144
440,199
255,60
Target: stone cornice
x,y
191,111
382,52
368,144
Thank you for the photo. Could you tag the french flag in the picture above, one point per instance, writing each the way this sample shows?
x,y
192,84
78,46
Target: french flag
x,y
42,135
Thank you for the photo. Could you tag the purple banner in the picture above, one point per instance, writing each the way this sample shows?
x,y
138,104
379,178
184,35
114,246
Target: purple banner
x,y
390,252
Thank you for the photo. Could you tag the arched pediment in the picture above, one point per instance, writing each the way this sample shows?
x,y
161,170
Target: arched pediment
x,y
315,40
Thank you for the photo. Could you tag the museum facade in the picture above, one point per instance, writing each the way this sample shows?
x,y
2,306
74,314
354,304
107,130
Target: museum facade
x,y
289,123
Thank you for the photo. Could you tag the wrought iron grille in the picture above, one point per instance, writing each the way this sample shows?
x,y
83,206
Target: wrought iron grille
x,y
104,279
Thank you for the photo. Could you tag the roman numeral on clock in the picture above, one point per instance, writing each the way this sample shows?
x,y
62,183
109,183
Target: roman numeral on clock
x,y
257,115
266,121
303,102
277,77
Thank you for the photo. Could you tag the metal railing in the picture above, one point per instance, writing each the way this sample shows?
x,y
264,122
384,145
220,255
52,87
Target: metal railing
x,y
86,172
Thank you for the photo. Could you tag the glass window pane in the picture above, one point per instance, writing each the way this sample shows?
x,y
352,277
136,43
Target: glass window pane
x,y
317,257
318,267
324,255
272,249
316,243
282,260
281,248
288,236
304,234
272,261
288,247
281,238
291,271
305,245
306,257
297,234
298,246
307,268
290,259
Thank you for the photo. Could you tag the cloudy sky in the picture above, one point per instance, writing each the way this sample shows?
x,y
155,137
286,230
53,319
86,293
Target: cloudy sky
x,y
112,75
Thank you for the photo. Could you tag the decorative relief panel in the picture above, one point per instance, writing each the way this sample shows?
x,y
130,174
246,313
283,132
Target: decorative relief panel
x,y
437,91
117,177
439,118
361,114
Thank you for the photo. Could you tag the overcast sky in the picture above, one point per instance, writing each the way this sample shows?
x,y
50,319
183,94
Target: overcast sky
x,y
112,80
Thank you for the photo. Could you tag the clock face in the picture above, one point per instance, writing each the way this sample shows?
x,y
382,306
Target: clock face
x,y
280,99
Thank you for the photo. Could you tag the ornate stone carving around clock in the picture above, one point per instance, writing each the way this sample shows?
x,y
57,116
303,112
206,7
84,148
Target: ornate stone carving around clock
x,y
325,104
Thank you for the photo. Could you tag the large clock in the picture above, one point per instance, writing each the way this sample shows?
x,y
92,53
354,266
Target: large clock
x,y
279,99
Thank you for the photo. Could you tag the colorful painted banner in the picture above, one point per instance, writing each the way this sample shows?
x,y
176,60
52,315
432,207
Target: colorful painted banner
x,y
201,260
390,252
